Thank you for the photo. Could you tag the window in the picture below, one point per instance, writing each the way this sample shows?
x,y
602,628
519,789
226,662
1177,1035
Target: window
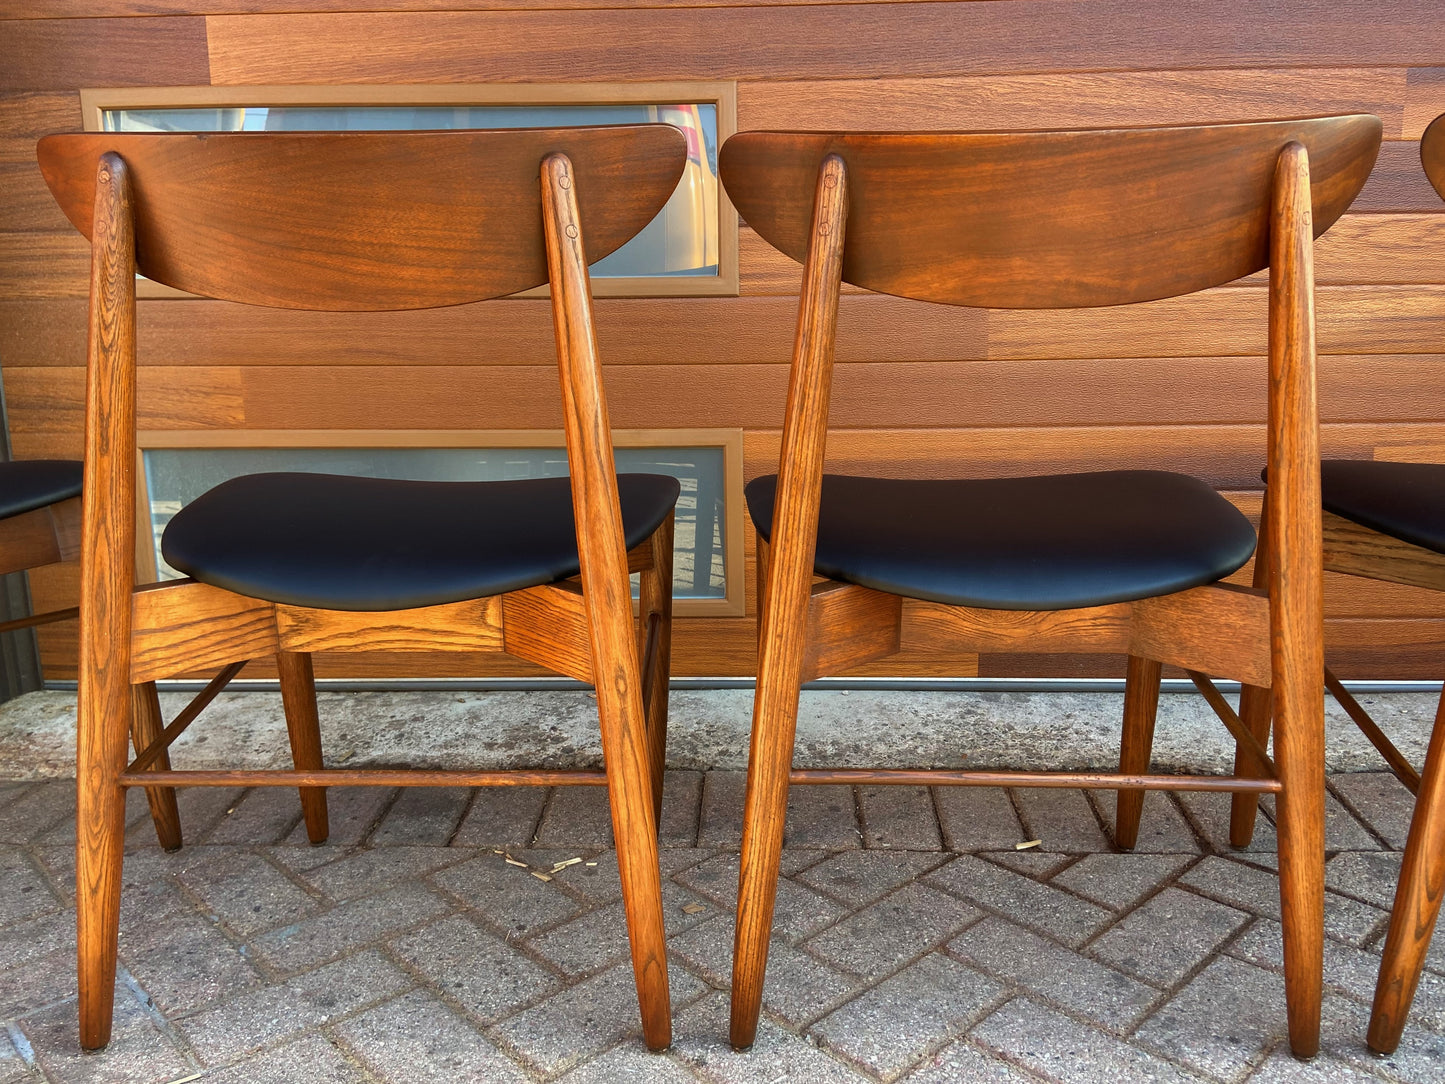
x,y
177,467
690,248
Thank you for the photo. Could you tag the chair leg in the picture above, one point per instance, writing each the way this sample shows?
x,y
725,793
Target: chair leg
x,y
1254,705
145,727
1299,757
1417,901
298,697
99,846
1141,705
656,599
765,809
629,788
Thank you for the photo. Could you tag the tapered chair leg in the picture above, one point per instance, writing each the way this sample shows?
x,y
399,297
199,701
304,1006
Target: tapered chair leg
x,y
656,601
1299,757
775,720
1254,707
1417,901
99,848
298,697
629,787
145,727
1141,706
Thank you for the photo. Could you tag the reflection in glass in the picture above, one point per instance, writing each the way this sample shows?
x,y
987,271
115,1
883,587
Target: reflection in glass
x,y
681,241
177,476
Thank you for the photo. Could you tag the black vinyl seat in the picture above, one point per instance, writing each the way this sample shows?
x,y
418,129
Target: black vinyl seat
x,y
28,484
1050,542
1403,500
339,542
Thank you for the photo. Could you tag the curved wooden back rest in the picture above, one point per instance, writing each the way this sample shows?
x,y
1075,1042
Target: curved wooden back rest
x,y
1432,153
364,220
1049,219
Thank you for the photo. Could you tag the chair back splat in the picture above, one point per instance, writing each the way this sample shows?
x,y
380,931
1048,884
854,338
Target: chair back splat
x,y
1115,562
284,564
1432,153
1046,220
363,220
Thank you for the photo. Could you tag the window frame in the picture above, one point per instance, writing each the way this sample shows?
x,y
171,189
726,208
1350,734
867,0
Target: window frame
x,y
732,604
95,102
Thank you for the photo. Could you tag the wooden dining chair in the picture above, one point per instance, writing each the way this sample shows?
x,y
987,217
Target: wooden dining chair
x,y
39,523
1124,562
1386,521
283,565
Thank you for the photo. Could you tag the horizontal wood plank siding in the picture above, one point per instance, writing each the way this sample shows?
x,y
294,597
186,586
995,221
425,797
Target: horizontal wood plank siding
x,y
919,390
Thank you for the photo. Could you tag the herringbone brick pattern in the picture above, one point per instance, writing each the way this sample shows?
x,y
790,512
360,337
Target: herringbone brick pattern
x,y
913,942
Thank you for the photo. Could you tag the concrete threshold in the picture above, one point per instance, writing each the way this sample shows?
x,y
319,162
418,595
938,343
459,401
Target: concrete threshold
x,y
557,728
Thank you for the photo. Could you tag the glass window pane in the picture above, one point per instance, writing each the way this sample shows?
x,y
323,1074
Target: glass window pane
x,y
682,240
177,476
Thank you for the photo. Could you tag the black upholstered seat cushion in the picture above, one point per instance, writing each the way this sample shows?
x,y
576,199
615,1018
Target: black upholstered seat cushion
x,y
28,484
1404,500
343,543
1051,542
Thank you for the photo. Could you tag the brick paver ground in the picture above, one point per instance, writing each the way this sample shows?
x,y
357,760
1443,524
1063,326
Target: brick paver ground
x,y
913,941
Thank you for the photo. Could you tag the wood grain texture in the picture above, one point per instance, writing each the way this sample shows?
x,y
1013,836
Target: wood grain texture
x,y
1072,99
442,218
1296,597
784,609
303,729
1417,902
104,705
849,626
1432,153
473,625
607,595
184,627
145,727
1136,742
1359,551
810,42
1361,320
980,218
1397,184
62,54
30,539
549,625
25,116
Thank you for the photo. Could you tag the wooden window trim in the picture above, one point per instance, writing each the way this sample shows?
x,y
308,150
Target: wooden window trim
x,y
733,603
94,102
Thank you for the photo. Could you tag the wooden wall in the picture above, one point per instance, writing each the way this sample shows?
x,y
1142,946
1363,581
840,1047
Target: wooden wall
x,y
919,390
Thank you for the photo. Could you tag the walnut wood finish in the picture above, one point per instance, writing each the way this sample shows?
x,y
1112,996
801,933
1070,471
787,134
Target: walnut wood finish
x,y
1199,214
982,219
442,238
211,219
1432,153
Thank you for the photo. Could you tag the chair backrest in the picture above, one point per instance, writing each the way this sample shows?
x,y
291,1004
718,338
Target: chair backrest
x,y
364,220
1432,153
1047,219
